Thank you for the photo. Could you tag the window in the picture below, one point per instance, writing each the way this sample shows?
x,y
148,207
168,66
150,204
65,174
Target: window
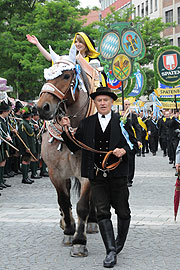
x,y
151,6
146,7
142,10
178,41
155,8
138,10
169,16
171,41
178,15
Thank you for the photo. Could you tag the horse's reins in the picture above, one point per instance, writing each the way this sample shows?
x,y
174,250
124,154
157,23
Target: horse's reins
x,y
88,148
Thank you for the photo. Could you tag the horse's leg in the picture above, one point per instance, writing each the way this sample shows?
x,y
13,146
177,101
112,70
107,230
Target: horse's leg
x,y
79,242
68,187
68,223
92,226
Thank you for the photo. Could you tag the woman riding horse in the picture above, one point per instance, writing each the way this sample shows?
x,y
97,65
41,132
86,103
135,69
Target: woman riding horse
x,y
85,47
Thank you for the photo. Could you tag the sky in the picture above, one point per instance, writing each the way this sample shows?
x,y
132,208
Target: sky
x,y
90,3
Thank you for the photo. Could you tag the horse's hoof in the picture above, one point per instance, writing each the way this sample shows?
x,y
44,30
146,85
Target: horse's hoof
x,y
79,251
92,228
67,240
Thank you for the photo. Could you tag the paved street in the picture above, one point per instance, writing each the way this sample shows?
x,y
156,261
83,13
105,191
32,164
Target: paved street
x,y
30,237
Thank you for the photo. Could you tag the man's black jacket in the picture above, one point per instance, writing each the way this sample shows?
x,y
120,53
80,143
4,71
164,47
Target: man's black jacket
x,y
86,134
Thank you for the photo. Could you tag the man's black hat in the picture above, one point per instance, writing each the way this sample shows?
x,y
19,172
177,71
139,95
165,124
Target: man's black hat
x,y
4,107
34,110
18,106
104,91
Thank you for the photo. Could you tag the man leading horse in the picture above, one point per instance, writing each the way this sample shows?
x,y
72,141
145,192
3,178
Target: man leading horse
x,y
104,131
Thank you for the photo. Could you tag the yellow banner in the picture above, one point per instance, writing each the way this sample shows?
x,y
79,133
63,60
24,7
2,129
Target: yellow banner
x,y
170,105
168,91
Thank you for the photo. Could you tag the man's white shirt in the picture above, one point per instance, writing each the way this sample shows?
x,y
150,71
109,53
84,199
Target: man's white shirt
x,y
104,121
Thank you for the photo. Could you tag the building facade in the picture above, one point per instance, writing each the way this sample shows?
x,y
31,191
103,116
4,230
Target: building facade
x,y
117,4
169,10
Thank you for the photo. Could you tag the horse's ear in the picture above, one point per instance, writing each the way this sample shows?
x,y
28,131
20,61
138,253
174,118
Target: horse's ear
x,y
54,55
72,53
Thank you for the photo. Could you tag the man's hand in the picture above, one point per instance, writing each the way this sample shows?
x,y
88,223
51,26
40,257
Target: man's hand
x,y
119,152
14,130
177,167
65,122
139,144
36,126
8,138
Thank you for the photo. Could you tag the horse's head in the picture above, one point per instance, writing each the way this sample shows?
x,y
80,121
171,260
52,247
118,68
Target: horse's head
x,y
55,91
60,84
66,90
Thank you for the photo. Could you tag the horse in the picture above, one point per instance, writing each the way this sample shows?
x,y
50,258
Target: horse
x,y
66,92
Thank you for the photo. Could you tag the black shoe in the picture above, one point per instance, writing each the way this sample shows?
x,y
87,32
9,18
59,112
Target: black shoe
x,y
110,260
7,185
3,185
26,181
11,174
143,155
36,176
1,188
138,154
32,181
147,151
176,173
154,154
170,162
6,175
45,174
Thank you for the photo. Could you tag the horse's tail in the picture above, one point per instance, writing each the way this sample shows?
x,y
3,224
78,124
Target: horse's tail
x,y
77,186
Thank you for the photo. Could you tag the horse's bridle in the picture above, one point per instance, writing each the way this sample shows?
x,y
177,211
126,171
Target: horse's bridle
x,y
52,89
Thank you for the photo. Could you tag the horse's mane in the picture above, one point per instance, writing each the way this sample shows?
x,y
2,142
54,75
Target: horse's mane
x,y
85,79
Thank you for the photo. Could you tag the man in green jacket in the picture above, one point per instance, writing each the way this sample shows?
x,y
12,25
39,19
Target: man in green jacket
x,y
29,146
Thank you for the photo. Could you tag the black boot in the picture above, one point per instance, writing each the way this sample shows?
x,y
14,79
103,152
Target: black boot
x,y
107,233
123,228
24,169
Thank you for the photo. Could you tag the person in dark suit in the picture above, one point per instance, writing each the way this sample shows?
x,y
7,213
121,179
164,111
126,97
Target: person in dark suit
x,y
152,128
163,132
106,131
137,130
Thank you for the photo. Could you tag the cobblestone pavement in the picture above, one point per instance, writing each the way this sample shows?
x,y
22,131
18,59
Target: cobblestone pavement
x,y
30,237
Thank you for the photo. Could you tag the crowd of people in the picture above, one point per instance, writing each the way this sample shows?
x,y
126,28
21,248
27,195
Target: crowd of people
x,y
163,131
20,143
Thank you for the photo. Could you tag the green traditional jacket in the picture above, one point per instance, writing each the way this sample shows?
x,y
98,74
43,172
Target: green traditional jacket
x,y
27,134
4,147
36,132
